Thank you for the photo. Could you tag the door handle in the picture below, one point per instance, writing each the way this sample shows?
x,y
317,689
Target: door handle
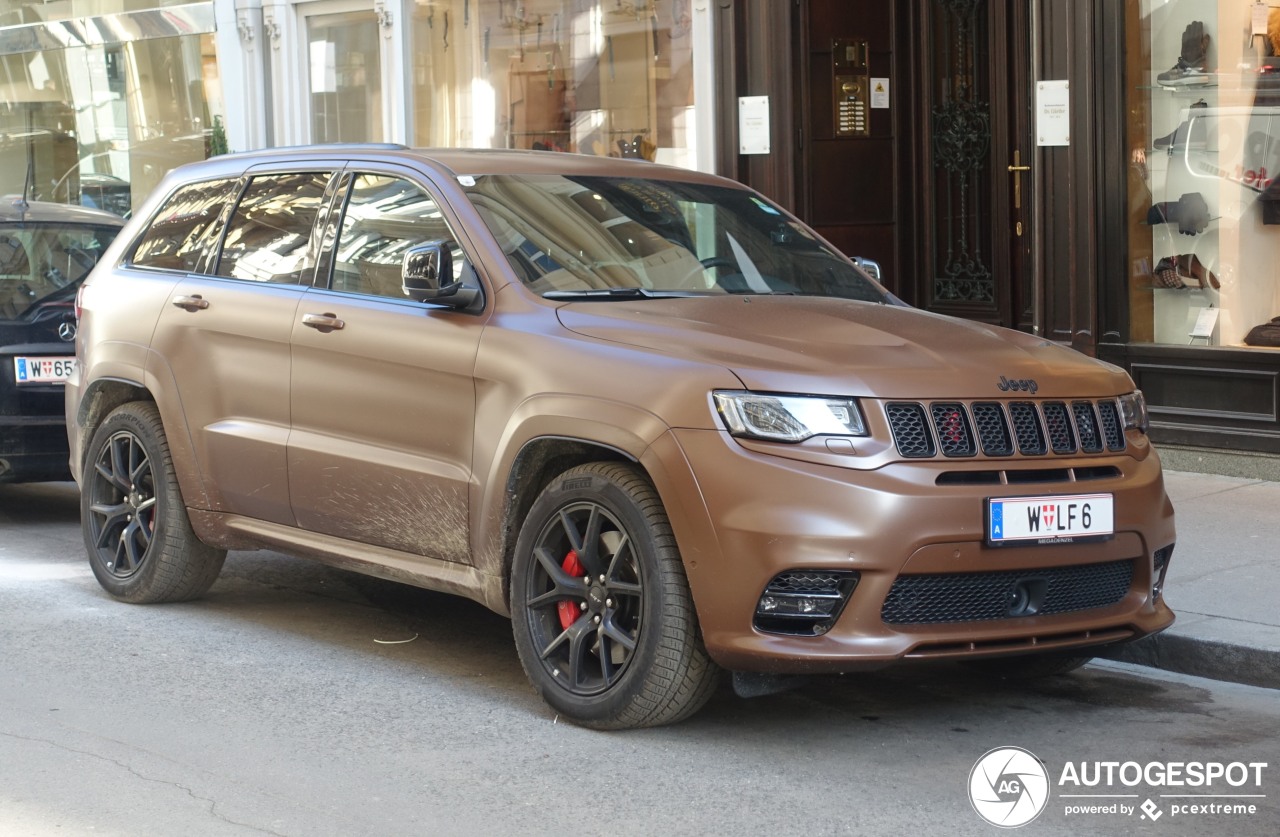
x,y
1016,170
323,322
195,302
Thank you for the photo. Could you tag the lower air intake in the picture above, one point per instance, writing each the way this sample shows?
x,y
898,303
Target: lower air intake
x,y
978,597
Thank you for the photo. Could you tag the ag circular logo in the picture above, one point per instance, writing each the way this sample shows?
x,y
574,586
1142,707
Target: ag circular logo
x,y
1009,787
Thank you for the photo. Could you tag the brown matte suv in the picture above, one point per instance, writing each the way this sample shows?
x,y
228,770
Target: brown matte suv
x,y
644,411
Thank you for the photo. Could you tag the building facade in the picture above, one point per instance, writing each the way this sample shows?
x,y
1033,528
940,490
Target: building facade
x,y
1098,172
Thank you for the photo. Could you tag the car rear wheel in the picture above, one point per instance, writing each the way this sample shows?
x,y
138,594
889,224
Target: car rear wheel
x,y
1031,667
603,619
140,543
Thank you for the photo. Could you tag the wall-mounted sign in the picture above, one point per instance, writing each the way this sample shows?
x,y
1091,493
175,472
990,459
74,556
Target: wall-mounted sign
x,y
753,124
1053,113
879,93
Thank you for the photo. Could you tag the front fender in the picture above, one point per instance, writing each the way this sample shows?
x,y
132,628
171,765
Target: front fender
x,y
623,428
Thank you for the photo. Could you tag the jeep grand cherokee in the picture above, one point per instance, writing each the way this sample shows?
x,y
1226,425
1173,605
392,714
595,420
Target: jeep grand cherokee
x,y
644,411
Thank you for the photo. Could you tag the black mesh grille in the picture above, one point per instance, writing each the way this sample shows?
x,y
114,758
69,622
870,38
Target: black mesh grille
x,y
1058,421
806,582
910,433
993,430
955,437
976,597
955,429
1026,426
1111,429
1087,427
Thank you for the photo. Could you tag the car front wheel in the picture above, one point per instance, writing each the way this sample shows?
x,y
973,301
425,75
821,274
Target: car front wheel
x,y
603,619
136,530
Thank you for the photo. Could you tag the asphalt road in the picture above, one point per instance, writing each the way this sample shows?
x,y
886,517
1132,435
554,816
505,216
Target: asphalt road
x,y
271,707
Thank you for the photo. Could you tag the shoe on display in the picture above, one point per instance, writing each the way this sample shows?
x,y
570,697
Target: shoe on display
x,y
1183,74
1189,71
1190,212
1174,271
1190,134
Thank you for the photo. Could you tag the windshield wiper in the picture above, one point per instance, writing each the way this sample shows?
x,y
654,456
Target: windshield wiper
x,y
616,293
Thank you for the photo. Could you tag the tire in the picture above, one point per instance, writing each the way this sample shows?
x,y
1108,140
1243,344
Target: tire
x,y
619,653
135,525
1031,667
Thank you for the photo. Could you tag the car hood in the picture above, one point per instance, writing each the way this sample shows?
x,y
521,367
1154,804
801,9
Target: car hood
x,y
842,347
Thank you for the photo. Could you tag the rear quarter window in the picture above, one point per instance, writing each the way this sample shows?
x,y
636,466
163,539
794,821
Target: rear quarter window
x,y
182,232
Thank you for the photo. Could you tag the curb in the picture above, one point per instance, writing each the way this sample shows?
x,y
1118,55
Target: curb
x,y
1203,658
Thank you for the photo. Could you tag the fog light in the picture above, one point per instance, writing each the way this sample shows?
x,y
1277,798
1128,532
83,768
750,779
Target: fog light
x,y
1159,566
804,602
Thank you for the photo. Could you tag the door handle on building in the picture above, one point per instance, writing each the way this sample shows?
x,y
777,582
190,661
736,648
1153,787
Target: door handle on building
x,y
1016,170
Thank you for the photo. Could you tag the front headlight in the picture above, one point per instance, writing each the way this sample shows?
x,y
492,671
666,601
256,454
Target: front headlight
x,y
788,418
1133,409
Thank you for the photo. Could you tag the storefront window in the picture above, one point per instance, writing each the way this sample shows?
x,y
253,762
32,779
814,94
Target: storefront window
x,y
345,71
99,125
1204,143
14,12
603,77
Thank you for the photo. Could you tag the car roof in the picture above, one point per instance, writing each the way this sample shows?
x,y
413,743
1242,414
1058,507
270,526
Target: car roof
x,y
482,161
14,209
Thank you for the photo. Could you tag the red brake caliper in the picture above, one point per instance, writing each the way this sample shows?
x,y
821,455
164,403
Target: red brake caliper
x,y
569,610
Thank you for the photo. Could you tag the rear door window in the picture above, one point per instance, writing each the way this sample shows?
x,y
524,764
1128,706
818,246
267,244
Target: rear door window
x,y
184,230
272,236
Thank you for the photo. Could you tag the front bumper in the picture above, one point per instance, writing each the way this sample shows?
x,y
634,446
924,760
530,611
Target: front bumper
x,y
761,515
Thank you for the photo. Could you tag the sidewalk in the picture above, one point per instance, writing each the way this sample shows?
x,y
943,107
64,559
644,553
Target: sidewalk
x,y
1222,583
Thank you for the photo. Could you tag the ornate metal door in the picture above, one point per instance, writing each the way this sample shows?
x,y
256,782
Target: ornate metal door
x,y
977,225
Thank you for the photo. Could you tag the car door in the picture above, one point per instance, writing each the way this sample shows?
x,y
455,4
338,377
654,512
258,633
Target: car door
x,y
382,394
226,334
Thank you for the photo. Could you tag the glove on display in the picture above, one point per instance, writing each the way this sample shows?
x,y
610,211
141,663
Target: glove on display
x,y
1189,70
1190,212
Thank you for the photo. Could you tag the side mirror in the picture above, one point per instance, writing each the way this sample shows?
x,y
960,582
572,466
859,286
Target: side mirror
x,y
425,267
871,268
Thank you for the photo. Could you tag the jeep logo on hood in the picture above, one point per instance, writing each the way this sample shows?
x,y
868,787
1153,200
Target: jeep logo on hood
x,y
1018,385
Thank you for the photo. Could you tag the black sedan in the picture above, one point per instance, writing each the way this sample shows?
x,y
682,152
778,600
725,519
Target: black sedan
x,y
46,250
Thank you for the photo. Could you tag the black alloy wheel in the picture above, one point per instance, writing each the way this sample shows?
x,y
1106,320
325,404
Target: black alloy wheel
x,y
136,530
585,598
601,609
122,505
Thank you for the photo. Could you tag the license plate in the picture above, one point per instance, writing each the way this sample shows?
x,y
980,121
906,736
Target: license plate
x,y
1048,520
42,370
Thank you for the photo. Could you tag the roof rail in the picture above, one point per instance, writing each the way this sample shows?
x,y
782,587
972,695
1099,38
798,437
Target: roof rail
x,y
324,146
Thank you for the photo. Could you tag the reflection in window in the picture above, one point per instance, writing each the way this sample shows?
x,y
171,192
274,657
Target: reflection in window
x,y
580,233
102,125
345,71
271,236
37,261
603,77
177,239
385,217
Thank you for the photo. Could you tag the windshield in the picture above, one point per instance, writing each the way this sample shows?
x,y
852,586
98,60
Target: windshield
x,y
37,261
569,236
